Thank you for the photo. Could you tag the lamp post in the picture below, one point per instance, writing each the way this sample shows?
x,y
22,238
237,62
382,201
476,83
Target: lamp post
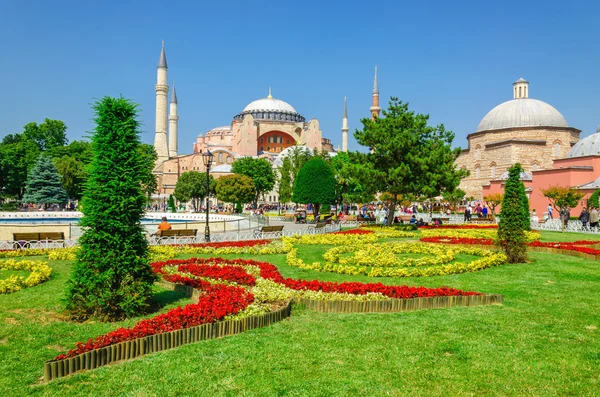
x,y
207,159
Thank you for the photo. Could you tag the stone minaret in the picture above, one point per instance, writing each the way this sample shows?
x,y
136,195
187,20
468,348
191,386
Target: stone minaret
x,y
162,92
375,103
173,121
345,128
521,89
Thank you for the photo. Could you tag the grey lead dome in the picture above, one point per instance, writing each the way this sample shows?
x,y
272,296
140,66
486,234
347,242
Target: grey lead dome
x,y
589,146
522,112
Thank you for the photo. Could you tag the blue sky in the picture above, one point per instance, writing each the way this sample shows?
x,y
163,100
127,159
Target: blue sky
x,y
453,60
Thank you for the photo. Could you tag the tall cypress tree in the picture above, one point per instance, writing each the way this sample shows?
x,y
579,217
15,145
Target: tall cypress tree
x,y
112,278
43,184
511,230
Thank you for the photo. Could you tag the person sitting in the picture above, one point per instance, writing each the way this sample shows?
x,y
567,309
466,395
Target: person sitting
x,y
162,226
413,220
421,223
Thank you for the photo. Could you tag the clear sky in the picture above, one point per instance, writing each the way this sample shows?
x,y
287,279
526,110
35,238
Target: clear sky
x,y
454,60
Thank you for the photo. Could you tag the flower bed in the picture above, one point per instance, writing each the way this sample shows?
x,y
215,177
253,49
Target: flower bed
x,y
40,272
490,234
460,227
457,240
355,231
575,246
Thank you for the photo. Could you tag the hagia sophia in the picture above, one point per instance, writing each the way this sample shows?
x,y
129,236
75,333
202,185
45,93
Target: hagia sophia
x,y
521,130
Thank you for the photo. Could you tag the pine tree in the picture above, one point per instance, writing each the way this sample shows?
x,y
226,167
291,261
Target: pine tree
x,y
43,184
172,204
511,230
112,278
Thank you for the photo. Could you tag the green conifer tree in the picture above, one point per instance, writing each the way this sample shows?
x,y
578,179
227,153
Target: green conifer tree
x,y
43,184
511,230
112,278
172,204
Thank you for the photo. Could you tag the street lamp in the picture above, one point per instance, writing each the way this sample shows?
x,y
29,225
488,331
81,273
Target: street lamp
x,y
207,159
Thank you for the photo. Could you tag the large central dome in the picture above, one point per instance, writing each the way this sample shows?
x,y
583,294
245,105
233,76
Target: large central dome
x,y
270,108
522,111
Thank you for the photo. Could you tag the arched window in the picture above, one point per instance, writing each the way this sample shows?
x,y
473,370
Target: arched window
x,y
262,149
493,167
519,92
268,148
534,166
556,149
220,158
228,159
477,152
477,172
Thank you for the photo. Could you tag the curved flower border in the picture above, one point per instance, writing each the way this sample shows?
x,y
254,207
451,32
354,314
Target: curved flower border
x,y
40,272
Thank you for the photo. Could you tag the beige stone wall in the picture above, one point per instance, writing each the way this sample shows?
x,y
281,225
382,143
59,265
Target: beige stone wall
x,y
6,231
486,152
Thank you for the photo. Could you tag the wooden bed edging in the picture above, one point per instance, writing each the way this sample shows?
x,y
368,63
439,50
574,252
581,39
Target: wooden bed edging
x,y
130,350
399,305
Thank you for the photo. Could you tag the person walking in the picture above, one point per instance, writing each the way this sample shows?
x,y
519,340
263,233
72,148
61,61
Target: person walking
x,y
550,211
565,215
584,217
594,218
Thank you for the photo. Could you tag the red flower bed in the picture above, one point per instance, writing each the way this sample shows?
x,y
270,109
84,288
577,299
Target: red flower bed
x,y
228,244
457,240
355,231
570,246
217,302
460,227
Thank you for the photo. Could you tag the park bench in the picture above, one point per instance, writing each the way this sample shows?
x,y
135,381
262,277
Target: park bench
x,y
481,220
24,240
179,233
268,229
361,218
319,225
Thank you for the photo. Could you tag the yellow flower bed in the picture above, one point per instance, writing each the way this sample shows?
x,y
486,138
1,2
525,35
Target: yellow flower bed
x,y
489,259
40,272
165,252
385,255
23,252
63,254
473,233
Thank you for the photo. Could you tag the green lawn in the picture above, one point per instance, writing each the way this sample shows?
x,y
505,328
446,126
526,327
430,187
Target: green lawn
x,y
544,340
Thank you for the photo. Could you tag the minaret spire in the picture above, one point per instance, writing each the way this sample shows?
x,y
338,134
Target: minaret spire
x,y
375,98
345,128
173,124
162,93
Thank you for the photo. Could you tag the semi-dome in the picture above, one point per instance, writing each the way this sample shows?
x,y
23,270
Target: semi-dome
x,y
589,146
522,111
270,108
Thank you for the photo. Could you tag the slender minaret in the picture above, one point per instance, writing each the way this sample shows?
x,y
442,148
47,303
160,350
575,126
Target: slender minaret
x,y
162,92
375,103
345,128
173,121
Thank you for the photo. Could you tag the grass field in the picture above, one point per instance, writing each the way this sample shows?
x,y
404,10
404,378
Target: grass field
x,y
544,340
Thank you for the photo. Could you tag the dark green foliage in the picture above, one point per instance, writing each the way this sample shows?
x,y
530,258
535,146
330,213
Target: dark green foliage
x,y
593,201
315,184
261,172
285,181
17,156
112,278
191,186
525,215
44,185
238,189
407,156
352,185
238,208
511,230
149,157
72,162
47,135
172,204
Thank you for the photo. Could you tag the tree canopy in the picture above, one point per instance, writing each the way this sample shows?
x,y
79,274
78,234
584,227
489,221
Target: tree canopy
x,y
47,135
407,156
493,200
261,172
191,186
237,189
112,278
44,185
315,184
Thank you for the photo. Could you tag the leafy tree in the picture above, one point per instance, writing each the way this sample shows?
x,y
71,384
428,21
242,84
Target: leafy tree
x,y
261,172
112,278
47,135
191,186
73,176
493,200
315,184
284,189
594,199
17,156
44,185
238,189
454,197
511,230
563,197
351,187
149,157
407,156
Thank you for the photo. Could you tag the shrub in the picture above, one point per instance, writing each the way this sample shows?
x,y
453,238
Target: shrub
x,y
112,278
511,230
